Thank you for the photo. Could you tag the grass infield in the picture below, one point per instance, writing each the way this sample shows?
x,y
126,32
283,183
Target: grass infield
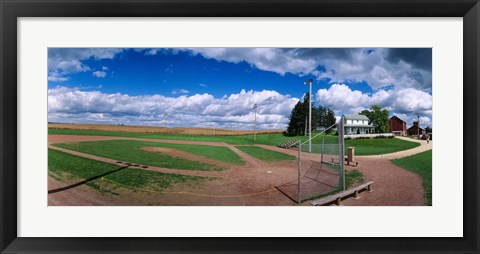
x,y
421,164
265,154
64,166
130,151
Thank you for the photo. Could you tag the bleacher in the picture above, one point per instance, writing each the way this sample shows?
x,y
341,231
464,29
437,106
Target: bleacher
x,y
289,143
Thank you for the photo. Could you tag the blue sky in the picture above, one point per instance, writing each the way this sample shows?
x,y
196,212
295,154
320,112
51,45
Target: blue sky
x,y
216,87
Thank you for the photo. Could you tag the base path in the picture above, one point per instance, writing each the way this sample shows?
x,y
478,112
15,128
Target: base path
x,y
394,186
424,146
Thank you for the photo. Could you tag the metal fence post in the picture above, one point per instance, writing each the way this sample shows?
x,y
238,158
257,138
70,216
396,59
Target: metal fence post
x,y
299,169
341,151
321,153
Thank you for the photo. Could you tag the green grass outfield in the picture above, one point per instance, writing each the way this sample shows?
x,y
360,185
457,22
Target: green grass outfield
x,y
130,151
64,166
265,154
362,146
379,145
421,164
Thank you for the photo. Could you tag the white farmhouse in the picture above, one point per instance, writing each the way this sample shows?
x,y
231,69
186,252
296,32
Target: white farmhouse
x,y
356,124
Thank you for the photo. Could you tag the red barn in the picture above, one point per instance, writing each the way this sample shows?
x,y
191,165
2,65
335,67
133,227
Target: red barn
x,y
415,129
398,126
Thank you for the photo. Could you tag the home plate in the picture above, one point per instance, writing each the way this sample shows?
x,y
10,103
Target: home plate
x,y
269,172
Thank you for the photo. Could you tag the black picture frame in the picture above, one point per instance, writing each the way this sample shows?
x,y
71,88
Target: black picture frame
x,y
10,10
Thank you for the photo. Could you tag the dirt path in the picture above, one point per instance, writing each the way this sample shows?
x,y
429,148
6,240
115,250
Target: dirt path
x,y
250,160
394,186
424,146
81,195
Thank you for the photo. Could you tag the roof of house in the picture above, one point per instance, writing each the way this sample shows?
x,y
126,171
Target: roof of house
x,y
397,118
355,117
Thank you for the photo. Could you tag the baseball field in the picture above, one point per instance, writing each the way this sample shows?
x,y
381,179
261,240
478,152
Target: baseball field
x,y
130,165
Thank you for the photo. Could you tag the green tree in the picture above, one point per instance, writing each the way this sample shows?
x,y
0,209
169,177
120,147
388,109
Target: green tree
x,y
377,117
330,119
321,113
299,117
326,117
296,126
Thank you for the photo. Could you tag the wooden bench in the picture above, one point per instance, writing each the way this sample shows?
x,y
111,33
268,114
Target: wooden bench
x,y
338,197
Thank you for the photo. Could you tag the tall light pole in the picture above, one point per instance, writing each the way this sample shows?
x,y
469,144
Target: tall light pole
x,y
418,125
255,122
309,116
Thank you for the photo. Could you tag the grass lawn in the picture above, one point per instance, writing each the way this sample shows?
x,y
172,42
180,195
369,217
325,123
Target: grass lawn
x,y
421,164
353,177
265,154
64,166
130,151
379,145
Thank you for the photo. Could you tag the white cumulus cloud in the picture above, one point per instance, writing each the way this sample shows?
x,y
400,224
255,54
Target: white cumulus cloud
x,y
64,61
376,67
198,110
99,74
341,98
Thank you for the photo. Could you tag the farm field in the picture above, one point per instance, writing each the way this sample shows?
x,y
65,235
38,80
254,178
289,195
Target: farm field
x,y
156,129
